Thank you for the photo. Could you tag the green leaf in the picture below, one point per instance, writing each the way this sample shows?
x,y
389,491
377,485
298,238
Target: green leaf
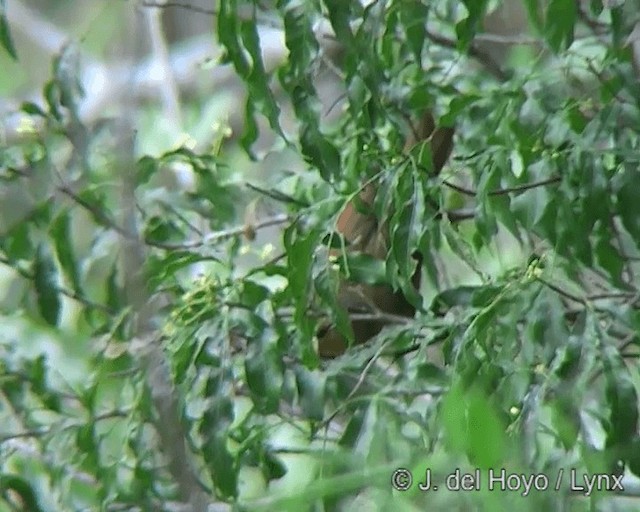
x,y
299,248
17,243
159,269
453,417
569,364
608,257
258,81
529,207
51,92
115,294
359,95
311,390
61,235
240,39
6,41
250,134
372,436
146,167
414,18
327,284
618,24
501,206
467,296
222,465
596,7
264,372
407,228
36,372
486,223
159,229
566,420
340,17
22,488
45,278
560,23
353,429
577,120
533,11
300,40
228,34
252,294
485,432
273,467
431,374
469,26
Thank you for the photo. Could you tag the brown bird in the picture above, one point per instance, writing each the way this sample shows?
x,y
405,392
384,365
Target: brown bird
x,y
363,233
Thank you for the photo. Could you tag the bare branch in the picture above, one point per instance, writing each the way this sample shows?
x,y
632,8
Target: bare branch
x,y
503,191
182,5
59,289
474,52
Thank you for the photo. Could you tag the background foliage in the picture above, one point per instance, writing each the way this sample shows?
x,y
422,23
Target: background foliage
x,y
153,354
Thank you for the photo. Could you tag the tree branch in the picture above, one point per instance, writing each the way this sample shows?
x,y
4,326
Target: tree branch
x,y
503,191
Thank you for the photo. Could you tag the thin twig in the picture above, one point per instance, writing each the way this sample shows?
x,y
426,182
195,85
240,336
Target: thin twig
x,y
181,5
55,427
503,191
562,292
225,234
59,289
355,389
478,55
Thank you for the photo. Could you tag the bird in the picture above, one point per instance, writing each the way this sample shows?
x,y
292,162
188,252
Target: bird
x,y
363,233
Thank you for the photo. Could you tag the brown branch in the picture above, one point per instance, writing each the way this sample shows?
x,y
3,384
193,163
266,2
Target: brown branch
x,y
374,314
104,220
503,191
56,427
457,215
589,298
225,234
613,295
180,5
562,292
510,40
474,52
59,289
101,217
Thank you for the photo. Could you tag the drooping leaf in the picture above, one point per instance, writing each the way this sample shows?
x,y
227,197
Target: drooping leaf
x,y
469,26
311,390
414,18
222,465
559,24
264,371
23,488
63,243
6,41
45,280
